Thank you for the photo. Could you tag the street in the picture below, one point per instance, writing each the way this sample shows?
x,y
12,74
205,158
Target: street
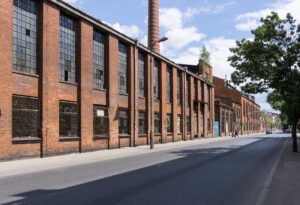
x,y
231,171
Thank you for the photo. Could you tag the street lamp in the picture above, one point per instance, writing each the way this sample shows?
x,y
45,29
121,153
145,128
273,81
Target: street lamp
x,y
151,90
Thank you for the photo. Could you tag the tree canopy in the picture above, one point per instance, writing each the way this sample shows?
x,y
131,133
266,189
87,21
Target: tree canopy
x,y
270,63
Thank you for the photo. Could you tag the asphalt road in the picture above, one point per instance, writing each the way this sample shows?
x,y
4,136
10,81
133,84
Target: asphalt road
x,y
229,172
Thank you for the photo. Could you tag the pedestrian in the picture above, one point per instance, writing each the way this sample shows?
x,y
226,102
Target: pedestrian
x,y
236,134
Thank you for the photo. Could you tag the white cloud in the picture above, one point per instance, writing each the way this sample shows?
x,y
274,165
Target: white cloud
x,y
219,8
172,22
250,20
132,31
219,49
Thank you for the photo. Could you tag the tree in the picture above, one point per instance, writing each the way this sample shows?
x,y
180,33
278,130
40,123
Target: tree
x,y
205,55
270,62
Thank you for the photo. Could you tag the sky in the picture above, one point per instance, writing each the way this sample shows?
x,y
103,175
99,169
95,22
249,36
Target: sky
x,y
190,24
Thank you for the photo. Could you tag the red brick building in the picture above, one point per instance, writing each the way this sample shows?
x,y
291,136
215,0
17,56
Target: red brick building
x,y
235,110
70,83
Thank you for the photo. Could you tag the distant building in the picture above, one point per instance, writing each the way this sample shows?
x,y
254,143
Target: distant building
x,y
235,110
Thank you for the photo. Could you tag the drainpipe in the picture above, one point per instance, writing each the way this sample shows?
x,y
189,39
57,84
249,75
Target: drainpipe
x,y
135,88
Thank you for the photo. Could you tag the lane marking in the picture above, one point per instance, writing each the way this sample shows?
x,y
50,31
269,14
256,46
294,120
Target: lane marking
x,y
266,187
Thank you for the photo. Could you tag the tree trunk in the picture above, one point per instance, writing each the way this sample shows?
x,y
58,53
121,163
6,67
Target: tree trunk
x,y
294,136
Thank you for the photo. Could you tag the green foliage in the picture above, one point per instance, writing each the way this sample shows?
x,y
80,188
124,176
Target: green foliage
x,y
205,55
271,62
271,59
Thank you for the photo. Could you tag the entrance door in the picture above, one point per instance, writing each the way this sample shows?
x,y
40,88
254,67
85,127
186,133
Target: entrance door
x,y
217,128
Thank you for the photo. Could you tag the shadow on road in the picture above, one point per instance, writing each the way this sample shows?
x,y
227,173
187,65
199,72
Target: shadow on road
x,y
137,186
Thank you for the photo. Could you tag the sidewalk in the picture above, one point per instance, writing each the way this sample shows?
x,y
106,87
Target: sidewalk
x,y
40,164
285,185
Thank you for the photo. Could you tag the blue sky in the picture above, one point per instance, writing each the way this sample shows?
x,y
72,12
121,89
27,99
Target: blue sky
x,y
189,24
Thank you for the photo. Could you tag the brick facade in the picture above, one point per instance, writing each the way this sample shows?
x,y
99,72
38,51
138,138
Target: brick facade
x,y
47,87
245,112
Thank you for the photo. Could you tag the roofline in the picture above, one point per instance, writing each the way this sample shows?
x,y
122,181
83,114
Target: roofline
x,y
122,36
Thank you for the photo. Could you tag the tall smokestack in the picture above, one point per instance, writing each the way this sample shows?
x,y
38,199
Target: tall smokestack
x,y
153,25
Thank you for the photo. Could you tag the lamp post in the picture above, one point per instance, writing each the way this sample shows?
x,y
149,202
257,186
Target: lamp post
x,y
151,90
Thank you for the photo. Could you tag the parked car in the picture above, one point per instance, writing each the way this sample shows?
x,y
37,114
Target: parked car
x,y
268,131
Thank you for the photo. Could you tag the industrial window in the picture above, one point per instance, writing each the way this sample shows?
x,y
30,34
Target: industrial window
x,y
179,88
25,36
208,125
169,123
141,74
67,43
223,120
157,123
68,120
101,123
188,124
169,84
123,69
195,122
25,117
202,91
179,124
99,60
142,122
209,97
156,81
123,122
187,91
195,89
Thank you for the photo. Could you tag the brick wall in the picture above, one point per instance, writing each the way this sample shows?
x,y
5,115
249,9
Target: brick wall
x,y
50,91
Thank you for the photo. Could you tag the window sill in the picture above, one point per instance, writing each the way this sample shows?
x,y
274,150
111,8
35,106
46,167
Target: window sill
x,y
121,94
27,74
100,137
169,133
158,101
68,83
26,140
142,135
100,89
180,133
141,97
157,134
124,135
66,139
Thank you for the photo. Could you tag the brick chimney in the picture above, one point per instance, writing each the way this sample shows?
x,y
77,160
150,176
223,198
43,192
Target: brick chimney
x,y
153,25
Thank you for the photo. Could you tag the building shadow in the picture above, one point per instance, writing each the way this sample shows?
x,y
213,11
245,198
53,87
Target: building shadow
x,y
123,188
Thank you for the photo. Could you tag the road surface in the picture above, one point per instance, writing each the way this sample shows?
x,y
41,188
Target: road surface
x,y
233,171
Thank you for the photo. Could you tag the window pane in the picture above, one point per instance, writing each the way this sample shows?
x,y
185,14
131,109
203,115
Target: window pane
x,y
179,88
68,120
142,123
101,123
179,124
187,91
25,36
123,69
67,42
99,60
123,122
169,84
169,123
157,123
141,74
156,81
188,124
25,117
